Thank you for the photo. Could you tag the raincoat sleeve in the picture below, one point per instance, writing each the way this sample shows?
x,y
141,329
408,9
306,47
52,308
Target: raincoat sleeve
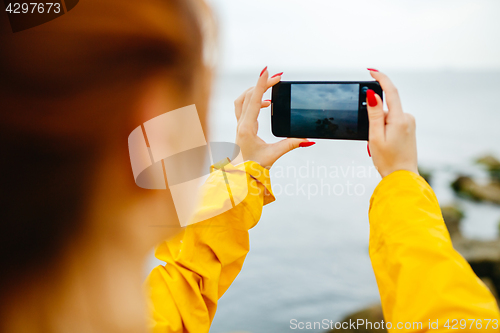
x,y
204,259
419,274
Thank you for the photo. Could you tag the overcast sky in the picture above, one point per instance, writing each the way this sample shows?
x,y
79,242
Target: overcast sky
x,y
325,96
353,34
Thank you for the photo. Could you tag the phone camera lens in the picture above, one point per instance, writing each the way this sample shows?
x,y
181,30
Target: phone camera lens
x,y
364,90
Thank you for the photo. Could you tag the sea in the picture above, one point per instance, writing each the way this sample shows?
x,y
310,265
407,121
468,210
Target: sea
x,y
324,123
308,258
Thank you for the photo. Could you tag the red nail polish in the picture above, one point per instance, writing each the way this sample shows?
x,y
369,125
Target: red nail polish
x,y
368,148
372,69
370,96
279,74
306,144
263,71
267,100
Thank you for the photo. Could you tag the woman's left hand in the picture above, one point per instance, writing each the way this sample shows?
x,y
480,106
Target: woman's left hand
x,y
247,109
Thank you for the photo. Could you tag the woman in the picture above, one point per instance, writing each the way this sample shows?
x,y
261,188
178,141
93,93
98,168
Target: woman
x,y
77,229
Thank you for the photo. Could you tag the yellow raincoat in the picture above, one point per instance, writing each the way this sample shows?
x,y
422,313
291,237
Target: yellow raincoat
x,y
419,274
420,277
205,258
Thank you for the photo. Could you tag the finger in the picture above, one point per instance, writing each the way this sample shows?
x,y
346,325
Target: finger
x,y
266,103
248,97
238,104
239,108
252,111
284,146
410,120
272,81
391,93
376,117
277,75
241,98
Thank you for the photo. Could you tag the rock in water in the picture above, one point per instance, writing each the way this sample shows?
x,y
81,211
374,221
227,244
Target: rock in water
x,y
492,165
372,314
467,187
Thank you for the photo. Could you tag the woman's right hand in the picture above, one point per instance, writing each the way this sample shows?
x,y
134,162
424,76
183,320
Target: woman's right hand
x,y
247,109
392,140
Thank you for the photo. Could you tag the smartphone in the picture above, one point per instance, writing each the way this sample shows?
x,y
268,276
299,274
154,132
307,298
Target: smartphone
x,y
321,109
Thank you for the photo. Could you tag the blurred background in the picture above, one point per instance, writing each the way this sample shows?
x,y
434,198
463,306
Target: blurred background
x,y
309,253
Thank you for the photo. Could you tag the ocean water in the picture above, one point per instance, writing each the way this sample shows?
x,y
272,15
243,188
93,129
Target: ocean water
x,y
324,123
309,253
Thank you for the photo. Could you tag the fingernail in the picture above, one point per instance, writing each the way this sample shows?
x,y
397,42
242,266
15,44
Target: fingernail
x,y
279,74
267,100
372,69
370,96
263,71
306,144
368,148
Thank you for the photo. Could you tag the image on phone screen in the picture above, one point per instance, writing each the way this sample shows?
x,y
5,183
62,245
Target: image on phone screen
x,y
321,109
324,110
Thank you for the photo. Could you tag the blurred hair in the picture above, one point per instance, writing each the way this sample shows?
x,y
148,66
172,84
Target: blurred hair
x,y
68,86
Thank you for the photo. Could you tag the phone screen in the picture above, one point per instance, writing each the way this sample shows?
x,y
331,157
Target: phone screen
x,y
324,110
321,109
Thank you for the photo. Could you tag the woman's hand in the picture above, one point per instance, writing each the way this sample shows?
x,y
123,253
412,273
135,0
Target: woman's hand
x,y
247,109
392,140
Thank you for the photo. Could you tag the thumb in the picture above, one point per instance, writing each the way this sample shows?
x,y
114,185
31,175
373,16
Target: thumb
x,y
284,146
376,116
